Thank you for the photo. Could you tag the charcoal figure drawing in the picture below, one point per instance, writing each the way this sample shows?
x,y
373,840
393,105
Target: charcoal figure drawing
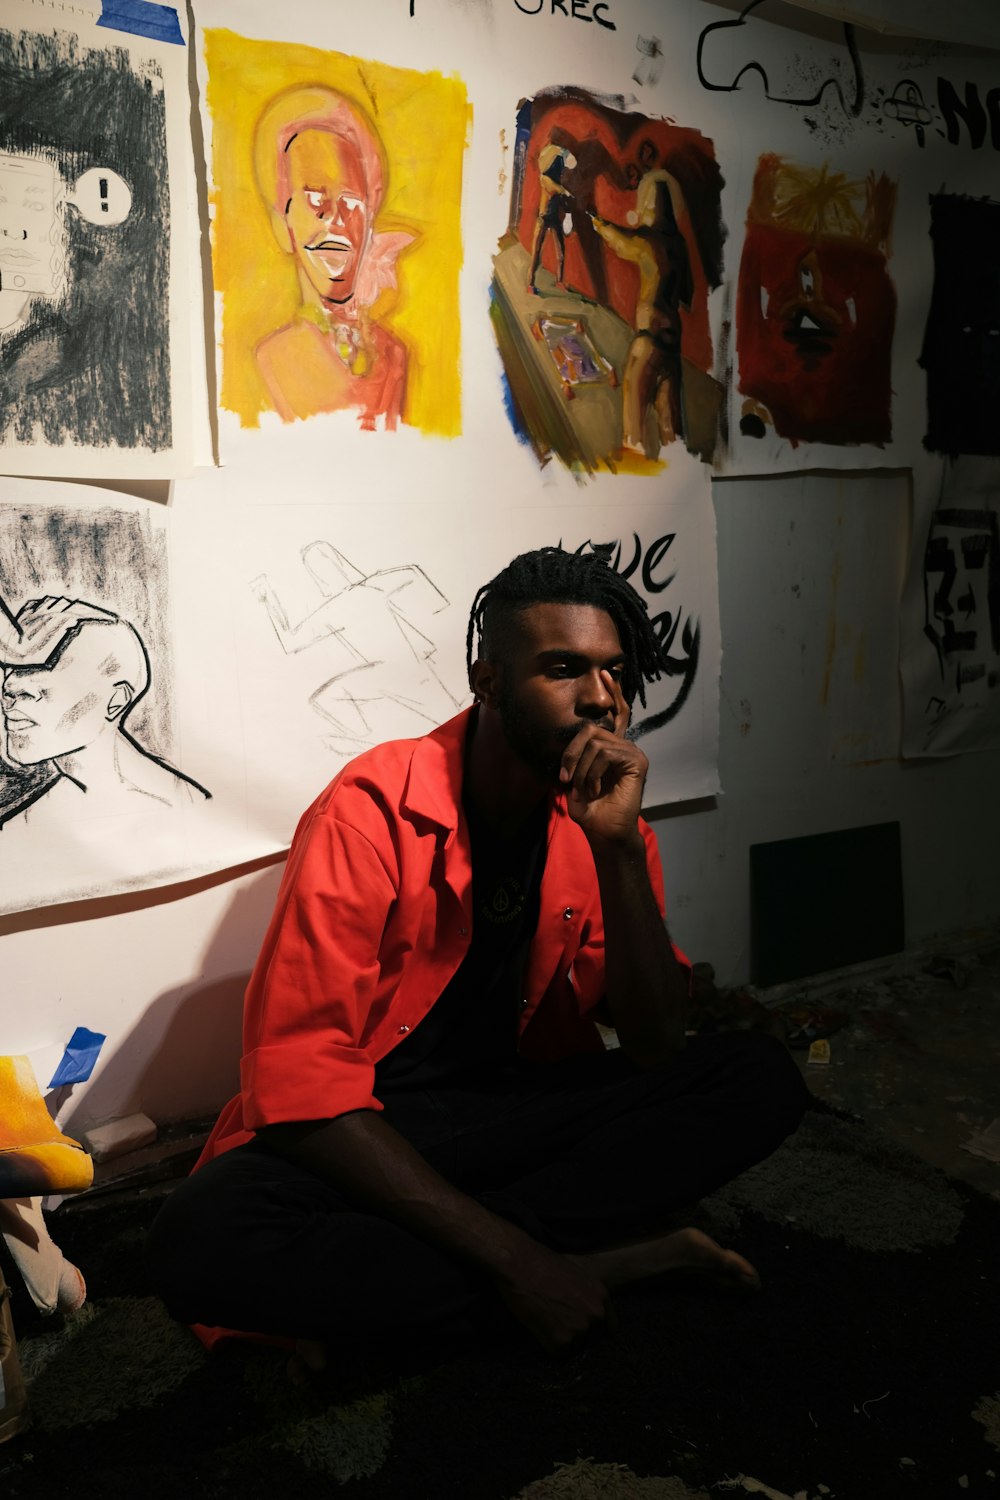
x,y
72,674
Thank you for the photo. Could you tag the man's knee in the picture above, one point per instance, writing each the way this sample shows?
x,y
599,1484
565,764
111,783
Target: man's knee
x,y
173,1244
777,1082
192,1246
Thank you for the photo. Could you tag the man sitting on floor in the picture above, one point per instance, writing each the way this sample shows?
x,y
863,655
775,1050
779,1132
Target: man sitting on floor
x,y
428,1114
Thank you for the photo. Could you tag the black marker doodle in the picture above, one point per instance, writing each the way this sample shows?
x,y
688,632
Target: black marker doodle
x,y
576,10
906,106
962,600
647,69
971,112
650,570
729,50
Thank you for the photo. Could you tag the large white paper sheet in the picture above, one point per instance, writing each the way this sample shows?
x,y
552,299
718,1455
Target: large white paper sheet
x,y
334,627
102,786
98,236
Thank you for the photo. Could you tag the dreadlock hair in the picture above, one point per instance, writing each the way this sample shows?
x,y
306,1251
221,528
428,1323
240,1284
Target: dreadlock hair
x,y
552,576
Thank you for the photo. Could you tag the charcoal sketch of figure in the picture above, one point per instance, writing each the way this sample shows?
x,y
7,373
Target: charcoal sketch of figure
x,y
84,347
72,674
320,170
655,245
377,627
962,602
32,257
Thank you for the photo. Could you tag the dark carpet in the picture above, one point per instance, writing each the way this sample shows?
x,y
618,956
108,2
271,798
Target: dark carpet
x,y
867,1369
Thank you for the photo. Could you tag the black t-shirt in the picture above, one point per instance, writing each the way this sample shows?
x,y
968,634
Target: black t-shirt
x,y
474,1022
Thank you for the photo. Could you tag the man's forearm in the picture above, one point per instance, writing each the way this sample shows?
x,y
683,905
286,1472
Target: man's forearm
x,y
555,1297
647,989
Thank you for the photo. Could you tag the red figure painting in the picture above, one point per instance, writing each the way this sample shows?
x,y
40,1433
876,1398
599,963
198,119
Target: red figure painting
x,y
816,306
603,155
613,245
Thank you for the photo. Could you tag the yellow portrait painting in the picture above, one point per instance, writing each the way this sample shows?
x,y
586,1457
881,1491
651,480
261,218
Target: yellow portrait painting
x,y
336,234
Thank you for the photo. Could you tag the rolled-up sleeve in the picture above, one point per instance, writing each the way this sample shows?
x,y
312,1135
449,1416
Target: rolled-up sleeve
x,y
312,991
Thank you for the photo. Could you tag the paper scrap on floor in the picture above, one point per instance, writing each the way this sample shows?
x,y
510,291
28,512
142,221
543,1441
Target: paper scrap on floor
x,y
986,1143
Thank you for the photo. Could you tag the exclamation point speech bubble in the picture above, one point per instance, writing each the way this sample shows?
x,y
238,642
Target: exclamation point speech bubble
x,y
102,196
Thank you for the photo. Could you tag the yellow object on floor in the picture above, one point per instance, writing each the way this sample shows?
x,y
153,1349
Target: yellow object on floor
x,y
35,1157
13,1397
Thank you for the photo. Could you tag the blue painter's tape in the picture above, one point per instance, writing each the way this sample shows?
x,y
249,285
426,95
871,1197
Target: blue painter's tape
x,y
77,1062
142,18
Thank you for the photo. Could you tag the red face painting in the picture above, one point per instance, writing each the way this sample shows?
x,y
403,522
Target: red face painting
x,y
816,310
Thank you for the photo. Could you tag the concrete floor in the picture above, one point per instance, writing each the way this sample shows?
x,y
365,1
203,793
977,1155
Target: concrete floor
x,y
919,1055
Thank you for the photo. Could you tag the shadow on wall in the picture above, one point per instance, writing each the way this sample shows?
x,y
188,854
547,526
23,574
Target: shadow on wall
x,y
180,1060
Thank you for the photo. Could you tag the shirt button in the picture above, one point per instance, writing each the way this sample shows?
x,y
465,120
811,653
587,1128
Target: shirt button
x,y
524,1002
568,914
463,932
404,1028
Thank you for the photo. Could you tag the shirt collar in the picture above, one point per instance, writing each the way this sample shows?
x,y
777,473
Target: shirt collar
x,y
434,786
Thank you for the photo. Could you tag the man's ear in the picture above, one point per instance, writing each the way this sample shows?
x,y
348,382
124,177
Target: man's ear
x,y
119,701
484,680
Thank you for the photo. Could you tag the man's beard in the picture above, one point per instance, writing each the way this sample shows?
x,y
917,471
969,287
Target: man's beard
x,y
541,750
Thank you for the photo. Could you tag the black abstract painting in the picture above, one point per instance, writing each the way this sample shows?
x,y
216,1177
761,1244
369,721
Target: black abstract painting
x,y
961,350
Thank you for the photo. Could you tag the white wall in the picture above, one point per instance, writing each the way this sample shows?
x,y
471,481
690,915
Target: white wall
x,y
160,973
810,570
810,573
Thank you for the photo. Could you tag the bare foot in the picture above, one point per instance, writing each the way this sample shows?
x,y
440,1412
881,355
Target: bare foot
x,y
72,1288
684,1250
307,1361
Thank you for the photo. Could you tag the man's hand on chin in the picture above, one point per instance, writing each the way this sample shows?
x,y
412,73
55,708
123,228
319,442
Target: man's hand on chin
x,y
603,775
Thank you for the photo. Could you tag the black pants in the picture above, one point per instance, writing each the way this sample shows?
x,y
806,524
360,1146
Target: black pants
x,y
581,1153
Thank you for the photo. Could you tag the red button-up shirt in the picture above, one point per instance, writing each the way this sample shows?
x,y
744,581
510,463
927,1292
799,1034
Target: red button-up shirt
x,y
374,917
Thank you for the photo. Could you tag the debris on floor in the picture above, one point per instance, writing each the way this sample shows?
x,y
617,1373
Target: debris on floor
x,y
739,1009
987,1411
753,1486
587,1480
950,966
986,1143
917,1056
806,1024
